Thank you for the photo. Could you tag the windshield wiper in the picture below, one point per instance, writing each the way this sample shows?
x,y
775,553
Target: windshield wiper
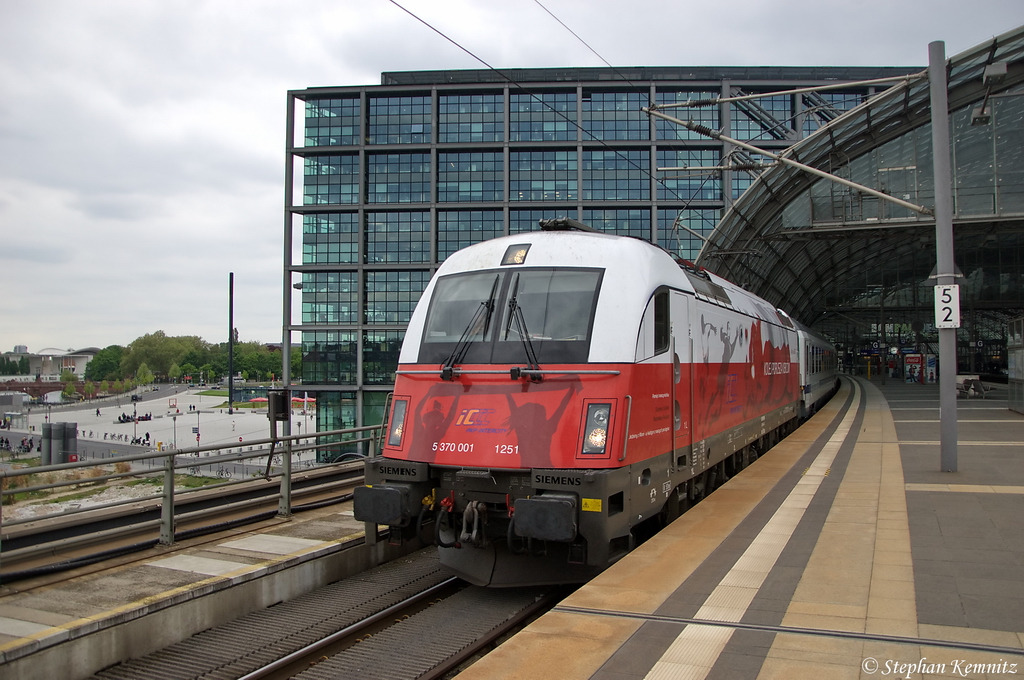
x,y
516,316
479,324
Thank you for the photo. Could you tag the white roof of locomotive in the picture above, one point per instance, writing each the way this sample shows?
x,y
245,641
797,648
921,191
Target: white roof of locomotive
x,y
633,270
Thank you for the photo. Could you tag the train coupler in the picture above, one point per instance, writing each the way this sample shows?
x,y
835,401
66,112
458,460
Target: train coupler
x,y
473,519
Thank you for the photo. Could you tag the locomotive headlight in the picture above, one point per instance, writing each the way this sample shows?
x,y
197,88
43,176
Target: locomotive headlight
x,y
397,427
595,436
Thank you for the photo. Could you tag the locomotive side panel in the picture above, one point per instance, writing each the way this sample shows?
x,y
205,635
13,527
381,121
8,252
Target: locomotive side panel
x,y
743,369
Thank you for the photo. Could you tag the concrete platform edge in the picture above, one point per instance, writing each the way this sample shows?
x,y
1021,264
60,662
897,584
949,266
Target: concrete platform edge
x,y
88,645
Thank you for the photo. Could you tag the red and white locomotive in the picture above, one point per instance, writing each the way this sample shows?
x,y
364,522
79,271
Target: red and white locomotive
x,y
561,393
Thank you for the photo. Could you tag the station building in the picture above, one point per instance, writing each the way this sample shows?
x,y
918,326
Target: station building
x,y
384,182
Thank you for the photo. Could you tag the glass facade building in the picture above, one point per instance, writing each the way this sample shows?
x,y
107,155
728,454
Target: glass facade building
x,y
384,182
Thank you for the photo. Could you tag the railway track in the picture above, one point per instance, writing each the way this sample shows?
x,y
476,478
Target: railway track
x,y
43,544
405,619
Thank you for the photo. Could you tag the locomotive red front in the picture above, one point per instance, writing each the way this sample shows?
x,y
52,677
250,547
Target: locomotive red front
x,y
561,392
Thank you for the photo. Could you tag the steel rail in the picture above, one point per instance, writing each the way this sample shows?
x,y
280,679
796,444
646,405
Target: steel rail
x,y
348,631
134,529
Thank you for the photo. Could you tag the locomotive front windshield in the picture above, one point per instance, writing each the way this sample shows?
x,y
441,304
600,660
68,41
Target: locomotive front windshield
x,y
495,311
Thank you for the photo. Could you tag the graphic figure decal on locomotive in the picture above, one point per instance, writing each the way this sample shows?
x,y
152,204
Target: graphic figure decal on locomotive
x,y
563,393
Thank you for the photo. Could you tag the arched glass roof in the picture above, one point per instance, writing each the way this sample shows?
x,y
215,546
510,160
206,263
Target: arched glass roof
x,y
823,251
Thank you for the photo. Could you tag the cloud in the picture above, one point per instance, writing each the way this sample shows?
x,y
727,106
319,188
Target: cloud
x,y
142,144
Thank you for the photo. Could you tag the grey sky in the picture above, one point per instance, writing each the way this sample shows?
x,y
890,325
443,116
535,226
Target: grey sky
x,y
142,143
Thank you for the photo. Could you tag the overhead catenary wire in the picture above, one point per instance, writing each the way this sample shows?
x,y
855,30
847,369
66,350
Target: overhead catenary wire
x,y
591,137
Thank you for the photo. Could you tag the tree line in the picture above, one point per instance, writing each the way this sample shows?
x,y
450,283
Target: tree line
x,y
12,367
162,358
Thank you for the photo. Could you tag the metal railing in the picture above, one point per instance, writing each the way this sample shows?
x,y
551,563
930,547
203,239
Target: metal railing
x,y
276,454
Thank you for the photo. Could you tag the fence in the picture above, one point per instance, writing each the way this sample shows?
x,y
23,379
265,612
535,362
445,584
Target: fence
x,y
223,461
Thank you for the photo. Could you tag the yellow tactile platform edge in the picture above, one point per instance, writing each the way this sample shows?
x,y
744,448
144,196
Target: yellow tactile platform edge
x,y
577,644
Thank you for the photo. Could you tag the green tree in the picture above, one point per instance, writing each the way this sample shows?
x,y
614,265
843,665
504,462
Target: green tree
x,y
104,386
143,375
190,371
159,351
69,389
117,387
106,365
90,389
195,357
23,368
67,375
174,372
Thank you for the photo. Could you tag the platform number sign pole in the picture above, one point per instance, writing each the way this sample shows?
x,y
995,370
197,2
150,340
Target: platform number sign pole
x,y
947,306
948,312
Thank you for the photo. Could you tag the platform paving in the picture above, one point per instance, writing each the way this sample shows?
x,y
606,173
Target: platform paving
x,y
857,562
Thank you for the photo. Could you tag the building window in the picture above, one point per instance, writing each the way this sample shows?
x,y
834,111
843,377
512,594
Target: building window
x,y
373,407
543,176
329,357
470,176
398,178
763,118
392,295
335,411
673,237
615,115
821,107
542,117
621,222
380,356
399,120
689,185
330,238
741,181
458,229
617,175
397,237
703,115
471,118
520,221
332,122
330,180
330,298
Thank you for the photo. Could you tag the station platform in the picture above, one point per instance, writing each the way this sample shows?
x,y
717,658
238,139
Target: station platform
x,y
844,552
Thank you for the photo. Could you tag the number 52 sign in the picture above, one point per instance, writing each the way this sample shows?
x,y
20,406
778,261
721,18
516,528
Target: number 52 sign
x,y
947,306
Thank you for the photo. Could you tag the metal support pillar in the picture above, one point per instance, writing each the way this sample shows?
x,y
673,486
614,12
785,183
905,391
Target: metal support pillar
x,y
284,506
167,506
231,342
943,250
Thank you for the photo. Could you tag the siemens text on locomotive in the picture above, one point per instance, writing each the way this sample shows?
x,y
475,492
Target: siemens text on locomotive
x,y
561,393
